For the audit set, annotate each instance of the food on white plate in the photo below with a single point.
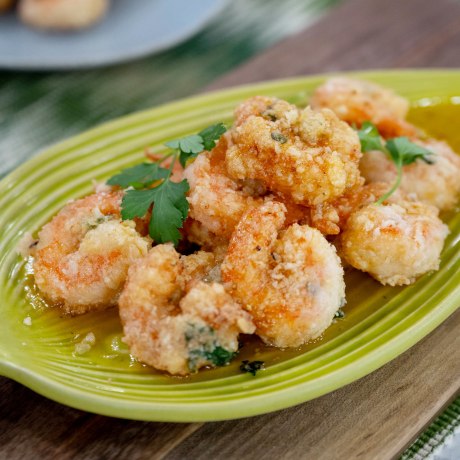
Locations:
(62, 15)
(234, 231)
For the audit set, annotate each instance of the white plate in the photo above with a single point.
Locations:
(132, 28)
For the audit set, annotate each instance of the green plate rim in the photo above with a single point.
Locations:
(399, 340)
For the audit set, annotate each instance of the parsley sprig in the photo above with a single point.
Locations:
(399, 149)
(150, 184)
(190, 146)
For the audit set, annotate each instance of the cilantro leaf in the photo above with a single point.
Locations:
(408, 152)
(399, 149)
(169, 211)
(170, 205)
(188, 144)
(184, 157)
(211, 134)
(139, 176)
(189, 147)
(369, 137)
(403, 152)
(136, 203)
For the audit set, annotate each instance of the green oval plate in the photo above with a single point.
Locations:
(39, 351)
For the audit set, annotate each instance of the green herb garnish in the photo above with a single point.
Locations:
(203, 345)
(139, 176)
(190, 146)
(399, 149)
(151, 185)
(211, 134)
(370, 137)
(220, 356)
(278, 137)
(251, 366)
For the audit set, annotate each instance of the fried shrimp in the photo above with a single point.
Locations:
(270, 108)
(174, 321)
(356, 101)
(215, 200)
(437, 184)
(310, 157)
(331, 218)
(394, 243)
(291, 281)
(83, 254)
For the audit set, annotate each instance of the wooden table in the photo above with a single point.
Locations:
(373, 418)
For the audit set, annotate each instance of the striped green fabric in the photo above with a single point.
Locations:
(41, 108)
(432, 442)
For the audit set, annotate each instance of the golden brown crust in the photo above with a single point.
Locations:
(291, 280)
(310, 157)
(395, 243)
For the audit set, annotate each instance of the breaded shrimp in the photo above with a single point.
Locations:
(310, 157)
(291, 281)
(196, 233)
(174, 321)
(270, 108)
(62, 14)
(83, 254)
(216, 201)
(331, 218)
(437, 184)
(357, 101)
(394, 243)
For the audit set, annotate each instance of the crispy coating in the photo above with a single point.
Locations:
(394, 243)
(291, 281)
(331, 218)
(196, 233)
(174, 321)
(356, 101)
(270, 108)
(437, 184)
(310, 157)
(83, 254)
(62, 14)
(216, 201)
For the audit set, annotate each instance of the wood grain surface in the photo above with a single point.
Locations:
(377, 416)
(361, 35)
